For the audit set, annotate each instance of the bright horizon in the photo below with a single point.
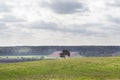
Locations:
(59, 22)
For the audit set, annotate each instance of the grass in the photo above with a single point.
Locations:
(107, 68)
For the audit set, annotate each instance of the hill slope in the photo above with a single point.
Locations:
(63, 69)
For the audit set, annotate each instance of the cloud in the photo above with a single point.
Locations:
(43, 25)
(114, 19)
(32, 22)
(84, 29)
(3, 26)
(3, 30)
(66, 7)
(4, 7)
(10, 18)
(114, 3)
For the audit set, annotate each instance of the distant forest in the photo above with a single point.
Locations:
(87, 51)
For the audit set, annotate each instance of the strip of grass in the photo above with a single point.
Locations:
(63, 69)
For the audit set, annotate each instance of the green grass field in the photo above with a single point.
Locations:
(63, 69)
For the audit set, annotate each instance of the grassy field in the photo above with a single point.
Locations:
(63, 69)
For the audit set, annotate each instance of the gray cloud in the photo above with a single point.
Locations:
(4, 7)
(116, 3)
(3, 29)
(3, 26)
(84, 30)
(44, 25)
(54, 27)
(111, 30)
(66, 7)
(10, 18)
(115, 20)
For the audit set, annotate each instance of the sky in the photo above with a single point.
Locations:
(59, 22)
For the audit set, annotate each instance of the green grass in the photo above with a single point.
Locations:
(63, 69)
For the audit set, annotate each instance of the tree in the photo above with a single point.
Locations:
(65, 53)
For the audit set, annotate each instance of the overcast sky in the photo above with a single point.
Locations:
(59, 22)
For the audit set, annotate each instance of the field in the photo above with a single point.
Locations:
(107, 68)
